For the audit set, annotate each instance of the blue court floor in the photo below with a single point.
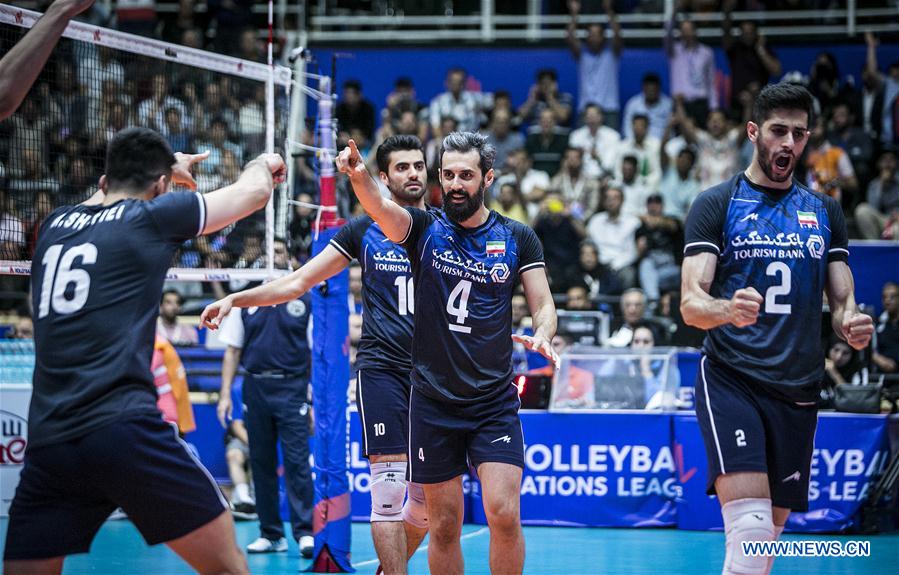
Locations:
(119, 550)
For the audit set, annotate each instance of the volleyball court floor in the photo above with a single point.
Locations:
(119, 550)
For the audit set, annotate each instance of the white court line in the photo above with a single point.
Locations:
(480, 531)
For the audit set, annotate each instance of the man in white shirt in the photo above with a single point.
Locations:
(600, 143)
(652, 103)
(614, 233)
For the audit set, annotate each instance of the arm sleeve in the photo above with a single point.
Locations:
(348, 238)
(530, 250)
(232, 329)
(705, 222)
(839, 237)
(179, 215)
(421, 219)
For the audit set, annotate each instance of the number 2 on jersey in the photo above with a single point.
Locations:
(58, 274)
(405, 300)
(459, 294)
(783, 288)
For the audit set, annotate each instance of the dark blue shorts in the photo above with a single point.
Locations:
(67, 490)
(382, 398)
(445, 438)
(746, 428)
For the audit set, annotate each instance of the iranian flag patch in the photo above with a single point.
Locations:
(496, 247)
(807, 219)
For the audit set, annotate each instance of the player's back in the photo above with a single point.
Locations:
(96, 283)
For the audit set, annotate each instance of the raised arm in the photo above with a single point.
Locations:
(700, 309)
(394, 220)
(249, 193)
(848, 323)
(617, 42)
(20, 66)
(871, 57)
(543, 312)
(326, 264)
(769, 60)
(668, 41)
(574, 7)
(727, 40)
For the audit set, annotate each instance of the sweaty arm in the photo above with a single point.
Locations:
(249, 193)
(701, 310)
(540, 302)
(326, 264)
(395, 221)
(854, 327)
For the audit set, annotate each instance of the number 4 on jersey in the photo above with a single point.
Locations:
(459, 294)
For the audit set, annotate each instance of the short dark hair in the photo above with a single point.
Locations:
(547, 72)
(781, 96)
(135, 158)
(172, 291)
(652, 78)
(353, 84)
(464, 142)
(630, 159)
(636, 117)
(396, 143)
(403, 82)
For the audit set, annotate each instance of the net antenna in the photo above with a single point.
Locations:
(137, 54)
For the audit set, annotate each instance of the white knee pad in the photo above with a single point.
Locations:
(746, 520)
(388, 488)
(415, 511)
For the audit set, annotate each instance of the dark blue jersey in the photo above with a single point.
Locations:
(388, 300)
(779, 242)
(96, 283)
(272, 338)
(462, 350)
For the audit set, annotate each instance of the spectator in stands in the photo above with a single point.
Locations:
(558, 231)
(71, 100)
(645, 148)
(355, 111)
(211, 106)
(579, 390)
(237, 454)
(824, 83)
(650, 102)
(503, 137)
(546, 145)
(600, 143)
(829, 169)
(533, 183)
(33, 178)
(510, 203)
(614, 233)
(77, 185)
(844, 133)
(30, 131)
(249, 47)
(22, 327)
(718, 149)
(886, 345)
(692, 69)
(402, 100)
(520, 313)
(579, 191)
(879, 215)
(633, 309)
(597, 64)
(636, 190)
(448, 125)
(43, 205)
(229, 18)
(355, 286)
(151, 112)
(174, 131)
(544, 94)
(596, 276)
(577, 298)
(679, 185)
(217, 143)
(660, 240)
(751, 61)
(881, 95)
(467, 107)
(98, 66)
(168, 326)
(251, 119)
(842, 365)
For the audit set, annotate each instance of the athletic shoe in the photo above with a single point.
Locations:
(307, 544)
(263, 545)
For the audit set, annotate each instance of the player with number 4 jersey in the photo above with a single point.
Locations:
(384, 358)
(463, 408)
(96, 438)
(760, 252)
